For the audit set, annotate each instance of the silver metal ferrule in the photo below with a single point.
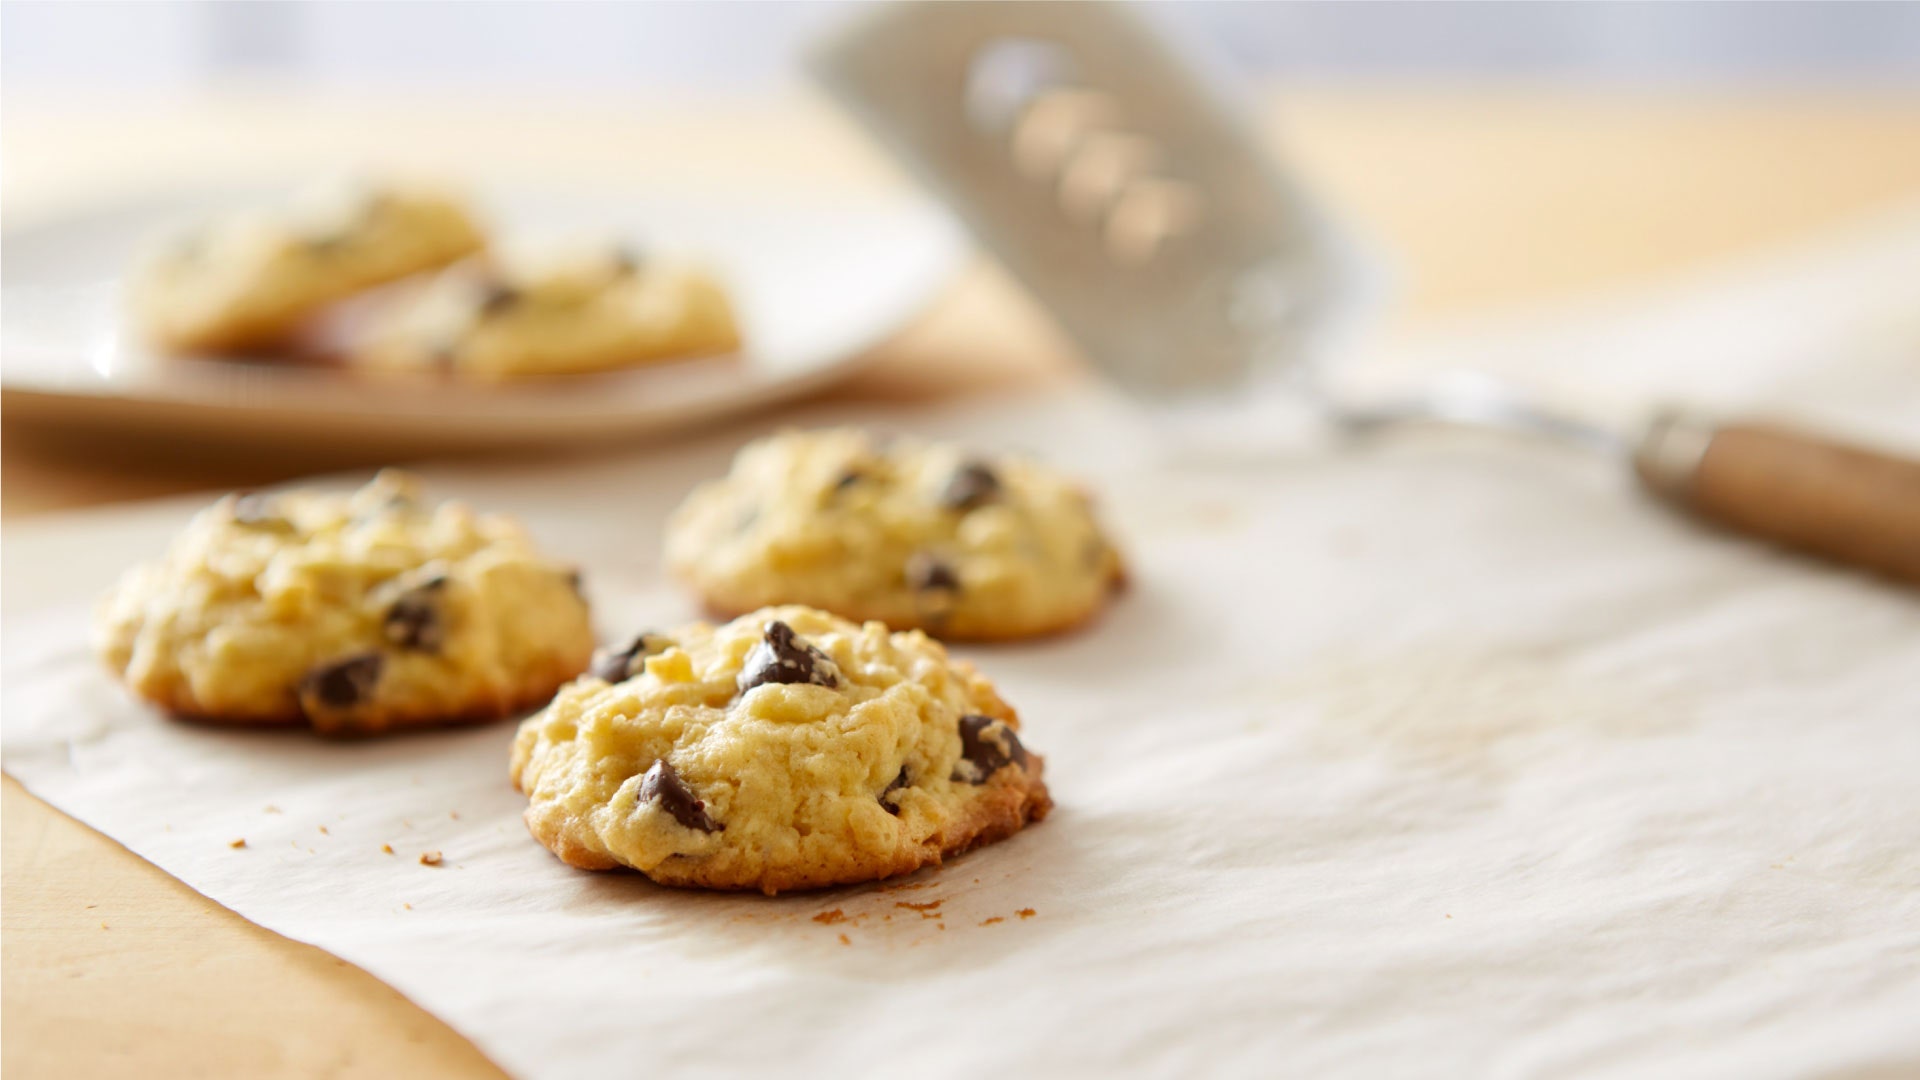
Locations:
(1670, 450)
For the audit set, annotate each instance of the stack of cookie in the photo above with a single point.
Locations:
(258, 284)
(820, 737)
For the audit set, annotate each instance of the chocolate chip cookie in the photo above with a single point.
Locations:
(564, 314)
(913, 534)
(351, 613)
(787, 749)
(251, 281)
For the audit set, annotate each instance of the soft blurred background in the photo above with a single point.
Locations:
(1495, 156)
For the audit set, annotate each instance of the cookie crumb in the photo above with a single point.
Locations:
(845, 940)
(828, 918)
(429, 858)
(324, 832)
(929, 910)
(388, 848)
(271, 809)
(409, 907)
(242, 842)
(454, 814)
(995, 919)
(1025, 913)
(104, 926)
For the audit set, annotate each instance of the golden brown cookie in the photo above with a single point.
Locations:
(910, 533)
(352, 613)
(252, 281)
(787, 749)
(505, 318)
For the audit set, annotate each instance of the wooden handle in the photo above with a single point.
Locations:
(1841, 502)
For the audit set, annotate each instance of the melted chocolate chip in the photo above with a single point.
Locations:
(619, 665)
(413, 622)
(664, 786)
(781, 657)
(972, 484)
(257, 512)
(986, 747)
(495, 297)
(848, 479)
(888, 800)
(577, 582)
(926, 573)
(344, 683)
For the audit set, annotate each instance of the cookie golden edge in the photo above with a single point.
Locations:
(723, 606)
(1012, 800)
(476, 710)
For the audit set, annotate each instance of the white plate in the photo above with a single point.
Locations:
(817, 282)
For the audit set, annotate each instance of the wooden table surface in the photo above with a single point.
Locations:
(1488, 199)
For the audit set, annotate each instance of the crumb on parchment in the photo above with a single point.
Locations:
(239, 843)
(429, 858)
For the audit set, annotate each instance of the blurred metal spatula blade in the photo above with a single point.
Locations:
(1106, 173)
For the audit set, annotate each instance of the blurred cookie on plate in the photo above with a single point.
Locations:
(560, 314)
(348, 613)
(911, 533)
(253, 280)
(788, 749)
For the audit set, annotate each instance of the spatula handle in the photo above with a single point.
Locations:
(1795, 489)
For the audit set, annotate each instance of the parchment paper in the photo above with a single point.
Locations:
(1438, 756)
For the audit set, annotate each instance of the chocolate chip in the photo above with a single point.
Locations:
(848, 479)
(577, 582)
(343, 683)
(926, 573)
(986, 746)
(971, 485)
(257, 512)
(887, 799)
(664, 786)
(619, 665)
(781, 657)
(496, 296)
(413, 621)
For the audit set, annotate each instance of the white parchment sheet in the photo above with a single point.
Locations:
(1438, 756)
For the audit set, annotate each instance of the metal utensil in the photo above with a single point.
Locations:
(1106, 173)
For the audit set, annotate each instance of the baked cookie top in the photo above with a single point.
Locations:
(352, 613)
(251, 280)
(787, 749)
(911, 533)
(559, 314)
